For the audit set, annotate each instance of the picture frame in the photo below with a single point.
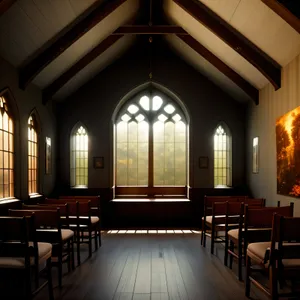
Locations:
(203, 162)
(48, 156)
(255, 149)
(98, 162)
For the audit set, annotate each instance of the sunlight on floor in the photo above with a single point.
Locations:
(153, 231)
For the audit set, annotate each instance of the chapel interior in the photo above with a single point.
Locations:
(149, 149)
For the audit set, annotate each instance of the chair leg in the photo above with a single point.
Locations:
(90, 243)
(226, 250)
(72, 254)
(49, 274)
(78, 247)
(240, 262)
(100, 239)
(69, 255)
(273, 283)
(36, 277)
(96, 239)
(231, 247)
(212, 243)
(248, 273)
(60, 270)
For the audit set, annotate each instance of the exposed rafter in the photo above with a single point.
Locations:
(5, 5)
(222, 67)
(31, 70)
(50, 90)
(284, 13)
(266, 65)
(145, 29)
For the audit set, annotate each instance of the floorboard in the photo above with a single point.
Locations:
(152, 267)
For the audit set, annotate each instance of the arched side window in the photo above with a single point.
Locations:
(33, 155)
(222, 157)
(6, 151)
(79, 157)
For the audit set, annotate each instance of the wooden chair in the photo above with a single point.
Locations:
(48, 229)
(20, 251)
(279, 258)
(95, 211)
(66, 233)
(255, 226)
(207, 212)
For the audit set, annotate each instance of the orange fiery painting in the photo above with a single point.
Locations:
(288, 153)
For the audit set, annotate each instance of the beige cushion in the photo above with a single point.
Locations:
(258, 251)
(66, 234)
(234, 233)
(94, 220)
(44, 250)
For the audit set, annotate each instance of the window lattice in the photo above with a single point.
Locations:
(33, 155)
(222, 158)
(151, 127)
(79, 158)
(6, 151)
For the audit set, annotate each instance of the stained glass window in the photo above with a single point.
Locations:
(150, 141)
(79, 157)
(6, 151)
(222, 158)
(33, 155)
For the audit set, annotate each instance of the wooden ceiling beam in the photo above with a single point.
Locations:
(57, 84)
(5, 5)
(284, 13)
(31, 70)
(260, 60)
(145, 29)
(249, 89)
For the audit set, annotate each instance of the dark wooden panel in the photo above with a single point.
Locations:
(265, 64)
(145, 29)
(31, 70)
(5, 205)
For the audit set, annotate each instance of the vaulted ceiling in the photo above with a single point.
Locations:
(59, 45)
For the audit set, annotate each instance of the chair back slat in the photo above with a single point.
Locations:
(14, 237)
(263, 218)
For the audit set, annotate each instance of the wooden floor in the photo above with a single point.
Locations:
(150, 266)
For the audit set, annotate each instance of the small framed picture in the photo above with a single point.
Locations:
(203, 162)
(99, 162)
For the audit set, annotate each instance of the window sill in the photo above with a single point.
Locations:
(9, 200)
(35, 195)
(223, 187)
(79, 187)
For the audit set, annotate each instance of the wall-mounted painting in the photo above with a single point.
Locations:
(288, 153)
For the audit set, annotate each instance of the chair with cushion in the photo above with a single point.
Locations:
(207, 213)
(278, 258)
(20, 252)
(255, 226)
(48, 229)
(66, 233)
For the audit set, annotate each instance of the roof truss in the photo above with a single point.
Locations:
(266, 65)
(31, 70)
(222, 67)
(284, 13)
(145, 29)
(50, 90)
